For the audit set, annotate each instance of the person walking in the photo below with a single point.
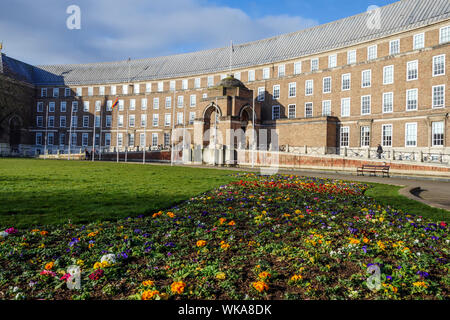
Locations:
(379, 151)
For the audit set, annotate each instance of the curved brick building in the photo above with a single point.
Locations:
(341, 88)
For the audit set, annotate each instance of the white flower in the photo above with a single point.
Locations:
(110, 258)
(4, 234)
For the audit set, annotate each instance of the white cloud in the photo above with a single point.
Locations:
(133, 28)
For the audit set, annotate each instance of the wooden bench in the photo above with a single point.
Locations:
(373, 169)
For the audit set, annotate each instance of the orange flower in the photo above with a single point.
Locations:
(171, 214)
(260, 286)
(49, 265)
(148, 283)
(44, 233)
(149, 294)
(222, 220)
(224, 245)
(263, 275)
(201, 243)
(231, 223)
(178, 287)
(296, 277)
(157, 214)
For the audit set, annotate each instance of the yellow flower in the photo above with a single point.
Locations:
(201, 243)
(420, 284)
(178, 287)
(49, 265)
(149, 294)
(298, 211)
(105, 264)
(296, 277)
(221, 276)
(80, 262)
(91, 245)
(98, 265)
(354, 241)
(148, 283)
(260, 286)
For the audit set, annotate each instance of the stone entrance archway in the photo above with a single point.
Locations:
(211, 120)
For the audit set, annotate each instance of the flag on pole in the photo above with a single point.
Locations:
(115, 103)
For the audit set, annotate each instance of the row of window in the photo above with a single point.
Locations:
(412, 103)
(366, 79)
(121, 103)
(85, 141)
(108, 120)
(437, 135)
(372, 54)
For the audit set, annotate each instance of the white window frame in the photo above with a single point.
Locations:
(292, 90)
(385, 78)
(345, 129)
(266, 73)
(374, 52)
(326, 108)
(351, 57)
(156, 103)
(309, 113)
(409, 70)
(397, 46)
(292, 107)
(344, 103)
(415, 46)
(155, 120)
(309, 85)
(434, 65)
(276, 92)
(251, 75)
(384, 138)
(441, 34)
(261, 93)
(143, 120)
(385, 94)
(407, 99)
(314, 64)
(363, 101)
(325, 86)
(433, 97)
(349, 75)
(406, 134)
(433, 133)
(276, 107)
(364, 139)
(332, 61)
(281, 71)
(363, 84)
(297, 67)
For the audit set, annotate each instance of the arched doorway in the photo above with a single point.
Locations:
(211, 119)
(246, 120)
(15, 133)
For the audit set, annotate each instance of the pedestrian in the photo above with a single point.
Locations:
(379, 151)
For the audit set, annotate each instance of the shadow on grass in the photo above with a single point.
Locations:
(388, 195)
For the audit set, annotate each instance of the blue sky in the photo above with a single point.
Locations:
(36, 32)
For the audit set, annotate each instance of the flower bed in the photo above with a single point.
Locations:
(281, 237)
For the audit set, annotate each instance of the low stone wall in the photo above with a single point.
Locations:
(286, 160)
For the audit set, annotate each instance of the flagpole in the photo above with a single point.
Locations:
(254, 129)
(145, 132)
(101, 133)
(117, 134)
(46, 132)
(215, 133)
(93, 135)
(173, 128)
(70, 132)
(231, 55)
(128, 139)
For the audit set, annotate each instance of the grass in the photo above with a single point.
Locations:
(39, 192)
(389, 195)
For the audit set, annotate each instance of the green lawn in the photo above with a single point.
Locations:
(41, 192)
(389, 195)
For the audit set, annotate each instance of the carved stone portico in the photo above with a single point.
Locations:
(227, 121)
